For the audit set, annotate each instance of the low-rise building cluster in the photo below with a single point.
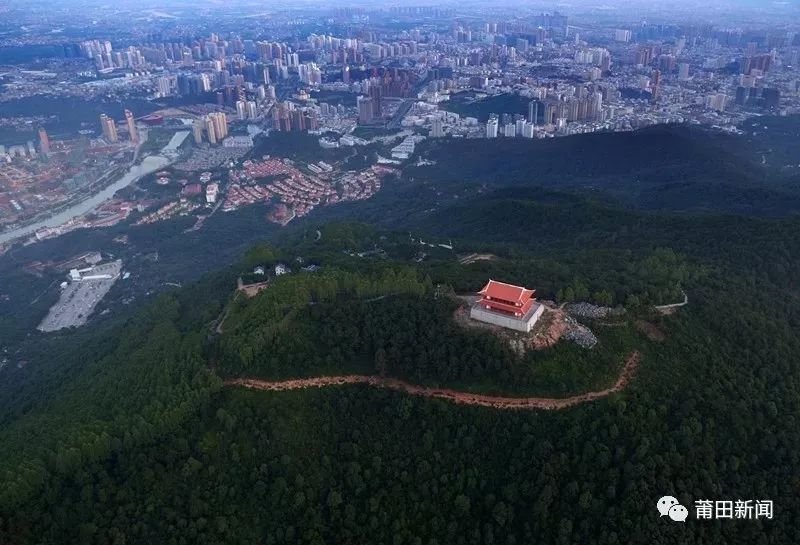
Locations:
(182, 207)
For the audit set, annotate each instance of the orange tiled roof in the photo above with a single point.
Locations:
(506, 292)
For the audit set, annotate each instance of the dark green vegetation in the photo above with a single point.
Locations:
(414, 338)
(304, 147)
(660, 168)
(153, 254)
(476, 183)
(122, 435)
(775, 141)
(467, 104)
(298, 146)
(363, 316)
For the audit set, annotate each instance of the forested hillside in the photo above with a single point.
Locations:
(658, 168)
(707, 416)
(397, 325)
(126, 434)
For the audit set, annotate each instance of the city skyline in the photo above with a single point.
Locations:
(449, 71)
(408, 273)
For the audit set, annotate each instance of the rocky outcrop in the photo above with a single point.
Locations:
(554, 325)
(588, 310)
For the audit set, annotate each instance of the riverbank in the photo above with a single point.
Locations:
(147, 166)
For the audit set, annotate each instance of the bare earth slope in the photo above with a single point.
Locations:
(455, 396)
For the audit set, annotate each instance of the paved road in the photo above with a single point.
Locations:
(402, 110)
(454, 396)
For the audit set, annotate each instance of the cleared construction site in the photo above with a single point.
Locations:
(80, 295)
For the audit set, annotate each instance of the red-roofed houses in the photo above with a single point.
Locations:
(508, 306)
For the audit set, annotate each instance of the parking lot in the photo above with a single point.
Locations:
(79, 298)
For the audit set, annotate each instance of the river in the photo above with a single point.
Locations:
(148, 165)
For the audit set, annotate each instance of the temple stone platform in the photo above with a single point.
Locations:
(522, 323)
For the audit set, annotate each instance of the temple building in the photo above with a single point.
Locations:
(508, 306)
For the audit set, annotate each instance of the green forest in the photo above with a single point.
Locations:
(666, 167)
(394, 323)
(124, 432)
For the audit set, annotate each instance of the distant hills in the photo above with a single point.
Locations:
(659, 168)
(124, 432)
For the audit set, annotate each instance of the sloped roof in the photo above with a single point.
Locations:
(506, 292)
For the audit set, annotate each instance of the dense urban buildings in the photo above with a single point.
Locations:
(442, 73)
(266, 272)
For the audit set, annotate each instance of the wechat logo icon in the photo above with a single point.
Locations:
(668, 506)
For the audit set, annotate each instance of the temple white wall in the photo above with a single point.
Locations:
(523, 324)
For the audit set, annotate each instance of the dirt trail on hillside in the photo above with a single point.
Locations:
(454, 396)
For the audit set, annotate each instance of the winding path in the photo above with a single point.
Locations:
(454, 396)
(672, 306)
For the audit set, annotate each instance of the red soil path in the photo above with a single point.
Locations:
(461, 398)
